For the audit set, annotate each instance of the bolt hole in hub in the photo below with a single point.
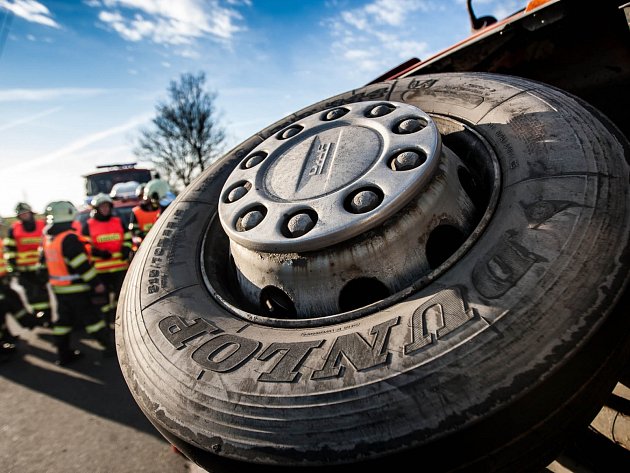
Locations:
(341, 211)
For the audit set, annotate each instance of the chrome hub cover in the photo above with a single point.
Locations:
(299, 208)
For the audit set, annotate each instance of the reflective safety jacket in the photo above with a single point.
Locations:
(109, 236)
(144, 219)
(24, 245)
(67, 274)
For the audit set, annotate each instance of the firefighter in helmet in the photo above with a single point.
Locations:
(111, 247)
(74, 280)
(10, 302)
(142, 217)
(159, 194)
(21, 247)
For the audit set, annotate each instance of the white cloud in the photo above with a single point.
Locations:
(384, 12)
(356, 19)
(32, 95)
(189, 53)
(75, 146)
(30, 10)
(376, 36)
(30, 118)
(394, 12)
(171, 22)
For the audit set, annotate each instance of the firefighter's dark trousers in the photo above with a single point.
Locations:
(36, 294)
(114, 282)
(76, 312)
(11, 303)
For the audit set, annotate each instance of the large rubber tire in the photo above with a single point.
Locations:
(535, 327)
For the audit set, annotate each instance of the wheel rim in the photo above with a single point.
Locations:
(325, 273)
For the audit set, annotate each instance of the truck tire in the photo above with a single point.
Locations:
(488, 361)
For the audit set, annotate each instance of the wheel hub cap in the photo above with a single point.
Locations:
(299, 207)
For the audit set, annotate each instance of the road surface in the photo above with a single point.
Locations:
(79, 418)
(82, 418)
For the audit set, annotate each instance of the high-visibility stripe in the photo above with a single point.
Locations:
(110, 265)
(28, 253)
(9, 254)
(27, 256)
(26, 259)
(24, 268)
(115, 255)
(8, 241)
(95, 327)
(40, 305)
(71, 289)
(78, 260)
(30, 262)
(65, 277)
(111, 306)
(61, 330)
(112, 270)
(89, 274)
(2, 296)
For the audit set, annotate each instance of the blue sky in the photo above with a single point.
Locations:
(78, 79)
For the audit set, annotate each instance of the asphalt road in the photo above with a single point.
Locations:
(79, 418)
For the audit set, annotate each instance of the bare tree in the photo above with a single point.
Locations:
(186, 135)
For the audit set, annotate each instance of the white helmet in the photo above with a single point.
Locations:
(156, 189)
(60, 212)
(100, 199)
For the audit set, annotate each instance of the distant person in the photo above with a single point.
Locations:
(74, 280)
(10, 303)
(159, 186)
(159, 193)
(21, 247)
(111, 248)
(142, 217)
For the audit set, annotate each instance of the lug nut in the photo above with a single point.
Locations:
(254, 160)
(336, 113)
(289, 132)
(249, 220)
(300, 224)
(380, 110)
(364, 201)
(411, 125)
(236, 193)
(407, 160)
